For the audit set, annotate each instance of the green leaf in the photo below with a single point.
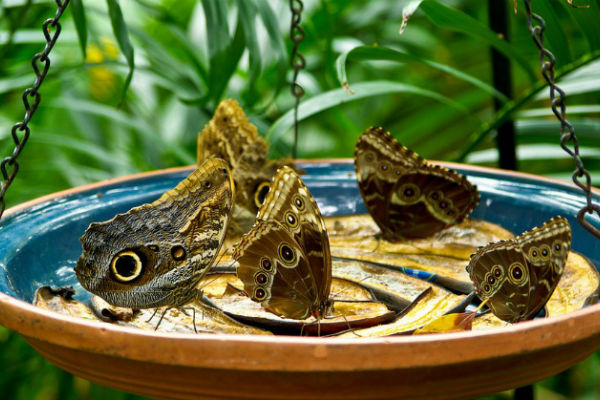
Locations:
(79, 18)
(547, 112)
(120, 31)
(271, 24)
(367, 53)
(224, 52)
(587, 19)
(336, 97)
(138, 124)
(169, 72)
(512, 107)
(555, 38)
(407, 12)
(247, 18)
(451, 18)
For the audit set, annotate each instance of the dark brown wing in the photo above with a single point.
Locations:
(406, 196)
(429, 199)
(290, 203)
(546, 248)
(375, 155)
(500, 274)
(276, 272)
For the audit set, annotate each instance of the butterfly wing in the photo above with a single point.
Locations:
(276, 272)
(546, 248)
(379, 160)
(292, 217)
(290, 203)
(406, 196)
(230, 135)
(154, 254)
(429, 199)
(500, 274)
(531, 266)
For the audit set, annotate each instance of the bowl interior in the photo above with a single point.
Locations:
(40, 245)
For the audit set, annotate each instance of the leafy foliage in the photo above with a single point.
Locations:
(167, 63)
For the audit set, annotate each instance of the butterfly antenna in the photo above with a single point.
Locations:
(348, 288)
(205, 284)
(221, 257)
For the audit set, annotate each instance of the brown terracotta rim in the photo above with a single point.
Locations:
(248, 352)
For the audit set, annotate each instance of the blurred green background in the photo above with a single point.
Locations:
(430, 86)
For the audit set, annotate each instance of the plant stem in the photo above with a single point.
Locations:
(502, 77)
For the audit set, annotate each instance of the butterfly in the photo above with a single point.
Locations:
(285, 261)
(154, 255)
(518, 276)
(230, 136)
(406, 196)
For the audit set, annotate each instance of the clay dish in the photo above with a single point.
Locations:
(39, 246)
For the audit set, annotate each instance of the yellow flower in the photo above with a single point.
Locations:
(103, 81)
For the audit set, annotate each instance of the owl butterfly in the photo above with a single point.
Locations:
(284, 261)
(406, 196)
(230, 136)
(518, 276)
(154, 255)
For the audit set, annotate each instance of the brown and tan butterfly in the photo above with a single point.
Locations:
(406, 196)
(285, 261)
(230, 136)
(154, 255)
(518, 276)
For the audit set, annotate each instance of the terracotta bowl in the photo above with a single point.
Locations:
(39, 246)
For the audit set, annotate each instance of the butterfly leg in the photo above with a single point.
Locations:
(152, 316)
(185, 310)
(350, 329)
(319, 327)
(305, 325)
(378, 239)
(161, 317)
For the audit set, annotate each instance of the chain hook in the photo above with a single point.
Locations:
(31, 100)
(559, 108)
(298, 62)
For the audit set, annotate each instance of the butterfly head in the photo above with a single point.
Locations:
(153, 254)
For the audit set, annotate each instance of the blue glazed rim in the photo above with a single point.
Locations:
(39, 239)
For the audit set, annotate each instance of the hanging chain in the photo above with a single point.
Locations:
(568, 140)
(298, 62)
(31, 100)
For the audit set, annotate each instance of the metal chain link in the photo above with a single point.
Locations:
(581, 177)
(31, 100)
(298, 62)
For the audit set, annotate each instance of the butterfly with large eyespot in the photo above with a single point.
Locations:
(518, 276)
(406, 196)
(156, 254)
(285, 261)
